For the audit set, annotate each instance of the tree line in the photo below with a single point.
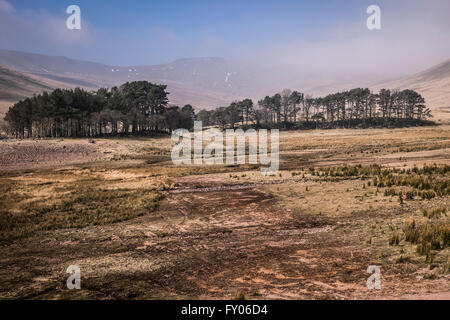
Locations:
(292, 109)
(141, 108)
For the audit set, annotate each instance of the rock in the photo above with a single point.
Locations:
(91, 141)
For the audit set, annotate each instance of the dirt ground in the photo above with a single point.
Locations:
(220, 232)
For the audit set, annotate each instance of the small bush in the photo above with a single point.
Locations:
(409, 195)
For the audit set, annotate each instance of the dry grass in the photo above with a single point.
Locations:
(431, 236)
(308, 232)
(74, 205)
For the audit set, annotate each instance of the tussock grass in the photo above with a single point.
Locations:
(429, 236)
(84, 206)
(434, 213)
(395, 240)
(427, 182)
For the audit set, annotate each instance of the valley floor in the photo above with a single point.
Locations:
(141, 228)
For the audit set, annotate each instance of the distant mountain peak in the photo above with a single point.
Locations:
(200, 59)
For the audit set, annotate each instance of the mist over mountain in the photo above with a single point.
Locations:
(433, 84)
(204, 82)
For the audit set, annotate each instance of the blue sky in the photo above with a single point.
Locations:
(235, 21)
(137, 32)
(199, 27)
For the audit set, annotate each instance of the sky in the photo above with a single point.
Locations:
(292, 34)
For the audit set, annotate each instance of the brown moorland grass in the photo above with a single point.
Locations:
(140, 227)
(82, 205)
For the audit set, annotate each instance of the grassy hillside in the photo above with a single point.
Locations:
(433, 84)
(15, 85)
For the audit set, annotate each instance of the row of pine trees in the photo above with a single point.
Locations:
(290, 109)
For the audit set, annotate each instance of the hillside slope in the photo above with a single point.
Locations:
(212, 82)
(15, 85)
(203, 82)
(433, 84)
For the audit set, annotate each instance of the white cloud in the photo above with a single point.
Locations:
(40, 31)
(6, 7)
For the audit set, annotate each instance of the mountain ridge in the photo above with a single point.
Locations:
(15, 85)
(433, 84)
(209, 82)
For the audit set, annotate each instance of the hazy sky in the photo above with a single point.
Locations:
(307, 35)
